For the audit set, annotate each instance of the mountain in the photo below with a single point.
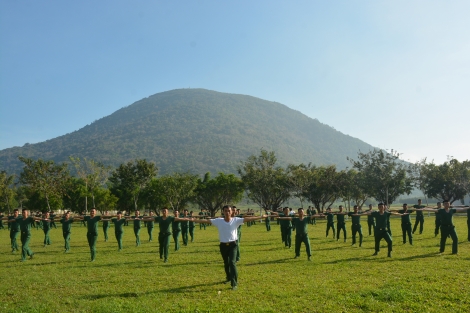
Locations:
(196, 130)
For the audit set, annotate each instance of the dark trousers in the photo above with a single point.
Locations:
(332, 226)
(382, 234)
(341, 226)
(419, 220)
(468, 229)
(449, 230)
(150, 232)
(47, 239)
(66, 235)
(356, 228)
(298, 241)
(118, 235)
(267, 223)
(13, 236)
(286, 233)
(371, 226)
(137, 236)
(438, 225)
(92, 239)
(25, 250)
(185, 233)
(229, 255)
(105, 232)
(176, 235)
(191, 233)
(164, 244)
(406, 230)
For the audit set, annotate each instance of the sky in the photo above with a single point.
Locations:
(395, 74)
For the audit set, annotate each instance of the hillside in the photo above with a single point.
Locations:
(197, 130)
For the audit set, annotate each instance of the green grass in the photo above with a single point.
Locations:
(340, 278)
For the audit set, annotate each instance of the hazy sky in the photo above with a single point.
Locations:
(395, 74)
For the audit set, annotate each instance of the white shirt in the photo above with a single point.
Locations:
(227, 230)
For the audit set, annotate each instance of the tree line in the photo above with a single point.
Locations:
(44, 185)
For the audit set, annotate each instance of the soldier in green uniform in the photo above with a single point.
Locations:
(185, 228)
(301, 233)
(340, 223)
(66, 222)
(236, 213)
(447, 225)
(370, 221)
(46, 227)
(118, 222)
(381, 231)
(202, 215)
(38, 221)
(286, 227)
(330, 222)
(92, 231)
(137, 226)
(14, 227)
(191, 227)
(356, 225)
(267, 220)
(165, 223)
(150, 223)
(105, 225)
(176, 229)
(406, 224)
(437, 222)
(419, 217)
(83, 221)
(25, 222)
(52, 216)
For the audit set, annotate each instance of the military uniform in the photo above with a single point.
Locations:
(381, 231)
(356, 227)
(105, 230)
(341, 224)
(176, 231)
(371, 224)
(468, 223)
(185, 231)
(301, 235)
(202, 215)
(25, 227)
(66, 231)
(419, 219)
(92, 233)
(191, 230)
(14, 231)
(164, 235)
(150, 226)
(330, 223)
(46, 227)
(119, 230)
(406, 226)
(448, 229)
(286, 231)
(137, 227)
(267, 222)
(437, 223)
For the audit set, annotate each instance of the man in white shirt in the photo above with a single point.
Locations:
(227, 227)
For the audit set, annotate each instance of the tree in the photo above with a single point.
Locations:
(45, 178)
(7, 192)
(105, 200)
(152, 197)
(299, 178)
(213, 193)
(448, 181)
(324, 186)
(267, 185)
(385, 176)
(75, 195)
(353, 187)
(130, 179)
(178, 189)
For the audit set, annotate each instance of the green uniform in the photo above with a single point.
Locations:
(356, 228)
(191, 230)
(46, 227)
(25, 228)
(14, 231)
(105, 230)
(185, 231)
(267, 222)
(419, 219)
(468, 223)
(301, 235)
(66, 231)
(330, 223)
(92, 233)
(201, 216)
(119, 230)
(52, 217)
(370, 224)
(164, 235)
(239, 238)
(341, 224)
(150, 225)
(137, 226)
(1, 221)
(381, 230)
(448, 229)
(286, 230)
(176, 229)
(406, 226)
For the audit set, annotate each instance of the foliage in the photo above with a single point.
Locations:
(130, 179)
(267, 184)
(213, 193)
(385, 176)
(354, 187)
(299, 180)
(7, 192)
(178, 189)
(448, 181)
(324, 188)
(44, 178)
(74, 198)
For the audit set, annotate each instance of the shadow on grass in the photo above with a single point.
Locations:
(285, 260)
(421, 256)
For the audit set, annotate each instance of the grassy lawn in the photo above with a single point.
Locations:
(340, 278)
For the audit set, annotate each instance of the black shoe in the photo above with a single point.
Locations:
(375, 253)
(31, 256)
(310, 258)
(296, 257)
(389, 254)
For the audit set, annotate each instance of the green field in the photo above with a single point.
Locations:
(340, 278)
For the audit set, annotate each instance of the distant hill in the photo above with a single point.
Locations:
(196, 130)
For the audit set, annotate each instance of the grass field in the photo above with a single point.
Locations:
(340, 278)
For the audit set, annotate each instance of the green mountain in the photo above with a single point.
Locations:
(196, 130)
